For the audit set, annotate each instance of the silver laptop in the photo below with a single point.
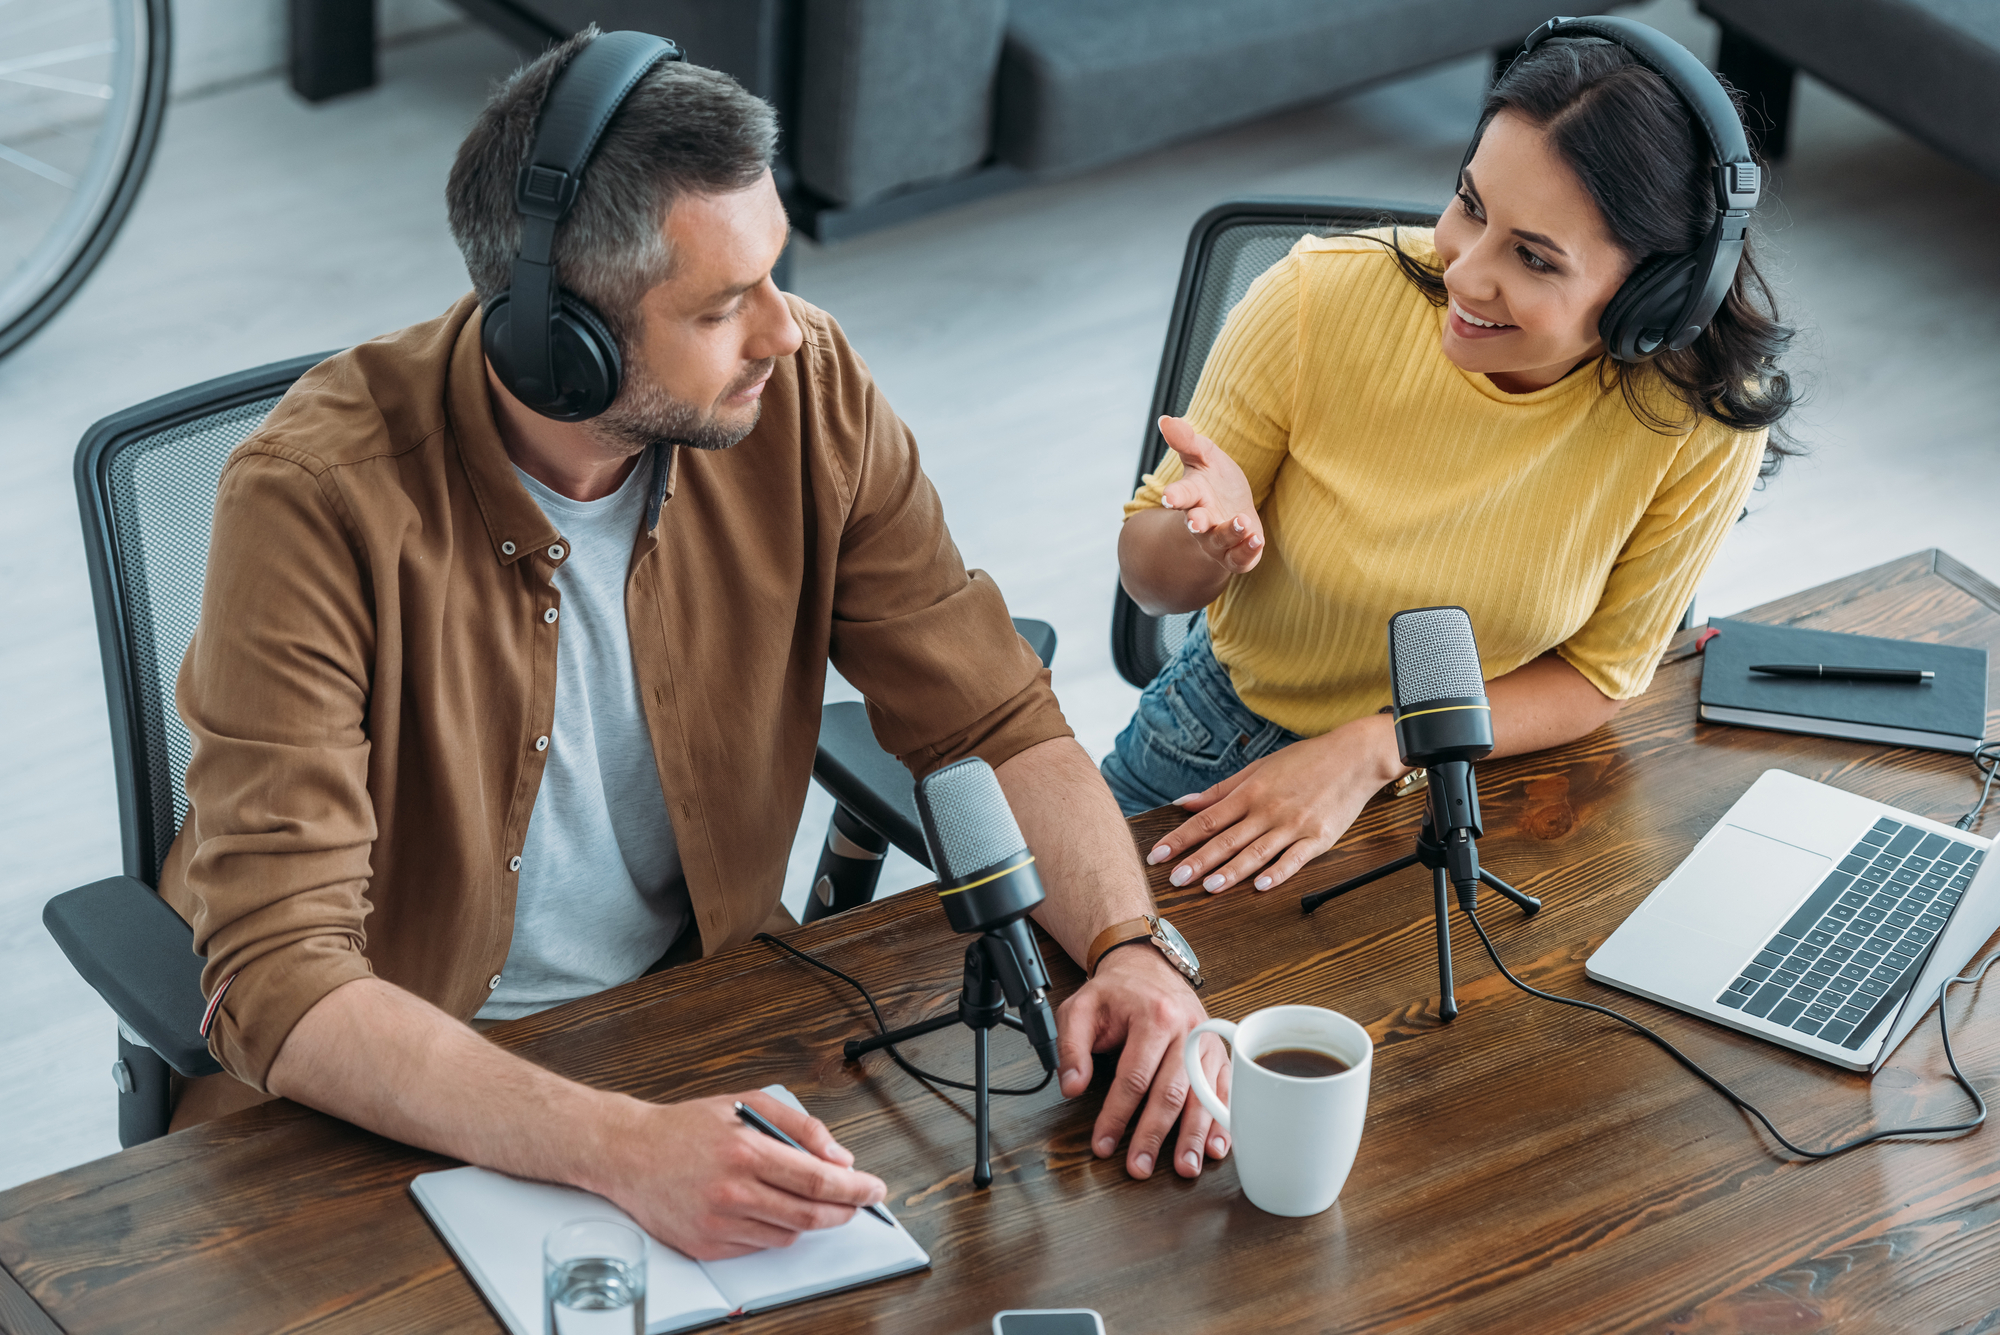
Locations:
(1811, 917)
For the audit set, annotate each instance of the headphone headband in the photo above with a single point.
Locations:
(1686, 76)
(578, 107)
(1669, 300)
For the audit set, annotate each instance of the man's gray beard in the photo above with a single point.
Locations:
(645, 414)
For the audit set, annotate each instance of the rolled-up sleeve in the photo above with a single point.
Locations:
(929, 644)
(273, 871)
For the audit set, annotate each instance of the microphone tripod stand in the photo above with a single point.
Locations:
(982, 1004)
(1453, 860)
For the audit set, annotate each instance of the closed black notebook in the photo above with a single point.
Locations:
(1945, 714)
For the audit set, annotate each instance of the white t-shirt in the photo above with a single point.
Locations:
(601, 895)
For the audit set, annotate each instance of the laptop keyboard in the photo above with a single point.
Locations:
(1840, 965)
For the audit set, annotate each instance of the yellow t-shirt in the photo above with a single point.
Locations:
(1389, 478)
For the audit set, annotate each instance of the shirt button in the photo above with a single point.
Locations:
(550, 616)
(556, 552)
(493, 982)
(514, 863)
(507, 547)
(541, 743)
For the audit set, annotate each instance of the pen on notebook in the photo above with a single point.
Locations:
(754, 1120)
(1831, 673)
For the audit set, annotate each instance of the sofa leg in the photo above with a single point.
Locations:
(1765, 79)
(141, 1076)
(333, 47)
(849, 866)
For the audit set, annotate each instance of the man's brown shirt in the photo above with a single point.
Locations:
(377, 652)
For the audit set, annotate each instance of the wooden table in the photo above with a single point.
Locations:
(1525, 1168)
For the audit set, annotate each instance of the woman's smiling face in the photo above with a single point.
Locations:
(1529, 263)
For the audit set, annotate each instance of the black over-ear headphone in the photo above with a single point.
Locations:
(1668, 300)
(549, 348)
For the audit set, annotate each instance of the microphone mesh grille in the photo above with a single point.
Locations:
(967, 822)
(1432, 656)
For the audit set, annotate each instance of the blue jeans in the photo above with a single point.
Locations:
(1189, 732)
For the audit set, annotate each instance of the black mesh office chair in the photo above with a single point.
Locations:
(146, 480)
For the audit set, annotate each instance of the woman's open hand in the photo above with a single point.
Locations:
(1280, 812)
(1215, 496)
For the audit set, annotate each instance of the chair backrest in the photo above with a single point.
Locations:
(145, 482)
(1230, 246)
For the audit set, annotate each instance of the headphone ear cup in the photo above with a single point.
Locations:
(1637, 323)
(587, 365)
(493, 341)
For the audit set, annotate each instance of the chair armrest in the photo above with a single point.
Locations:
(139, 955)
(871, 783)
(868, 781)
(1041, 637)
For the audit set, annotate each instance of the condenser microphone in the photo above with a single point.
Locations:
(1443, 724)
(1440, 698)
(987, 883)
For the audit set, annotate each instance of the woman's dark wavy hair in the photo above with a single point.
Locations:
(1635, 147)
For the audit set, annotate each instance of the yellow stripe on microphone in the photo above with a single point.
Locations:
(1004, 871)
(1442, 709)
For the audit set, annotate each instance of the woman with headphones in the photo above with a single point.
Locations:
(1548, 411)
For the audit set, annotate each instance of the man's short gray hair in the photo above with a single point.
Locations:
(683, 130)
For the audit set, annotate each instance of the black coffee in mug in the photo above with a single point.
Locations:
(1305, 1063)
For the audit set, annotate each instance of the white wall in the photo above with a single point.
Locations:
(218, 41)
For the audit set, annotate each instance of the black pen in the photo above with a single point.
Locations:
(1830, 673)
(755, 1120)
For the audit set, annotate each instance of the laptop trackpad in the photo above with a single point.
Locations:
(1737, 887)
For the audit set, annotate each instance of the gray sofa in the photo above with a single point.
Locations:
(932, 100)
(1930, 66)
(893, 108)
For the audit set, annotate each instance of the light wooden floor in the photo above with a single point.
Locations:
(1019, 338)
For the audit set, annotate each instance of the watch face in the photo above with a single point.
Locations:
(1169, 934)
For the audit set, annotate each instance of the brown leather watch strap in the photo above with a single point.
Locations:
(1132, 929)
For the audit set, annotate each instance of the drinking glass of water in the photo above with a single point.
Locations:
(594, 1276)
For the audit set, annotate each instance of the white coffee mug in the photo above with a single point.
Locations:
(1293, 1137)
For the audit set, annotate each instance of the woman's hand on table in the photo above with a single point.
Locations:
(1214, 495)
(1264, 822)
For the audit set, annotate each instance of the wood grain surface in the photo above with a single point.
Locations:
(1525, 1168)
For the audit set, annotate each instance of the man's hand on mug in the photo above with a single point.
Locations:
(1215, 496)
(1138, 1004)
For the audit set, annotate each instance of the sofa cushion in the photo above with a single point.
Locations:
(1930, 66)
(1088, 81)
(893, 93)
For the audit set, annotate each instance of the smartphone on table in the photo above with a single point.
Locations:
(1049, 1321)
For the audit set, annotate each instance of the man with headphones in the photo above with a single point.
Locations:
(511, 657)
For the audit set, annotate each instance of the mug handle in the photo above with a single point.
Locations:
(1197, 1081)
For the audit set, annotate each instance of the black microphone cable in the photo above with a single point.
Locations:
(1986, 759)
(1716, 1084)
(908, 1066)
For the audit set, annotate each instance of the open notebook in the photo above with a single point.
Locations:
(495, 1224)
